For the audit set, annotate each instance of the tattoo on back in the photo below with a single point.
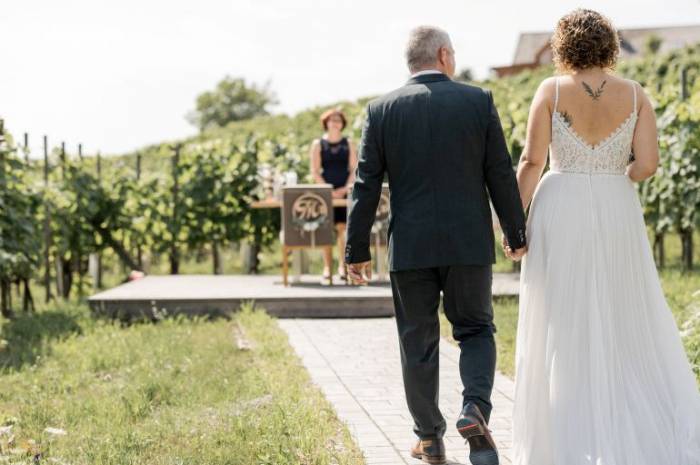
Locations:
(567, 118)
(594, 94)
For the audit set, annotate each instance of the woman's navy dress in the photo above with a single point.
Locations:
(335, 159)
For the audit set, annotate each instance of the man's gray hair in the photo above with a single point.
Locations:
(423, 45)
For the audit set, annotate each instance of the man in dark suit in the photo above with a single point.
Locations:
(442, 147)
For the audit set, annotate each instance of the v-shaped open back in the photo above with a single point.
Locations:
(570, 152)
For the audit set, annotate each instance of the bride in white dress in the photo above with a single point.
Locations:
(601, 374)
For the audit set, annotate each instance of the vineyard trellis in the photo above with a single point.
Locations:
(196, 194)
(55, 221)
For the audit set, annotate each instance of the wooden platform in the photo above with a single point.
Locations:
(219, 295)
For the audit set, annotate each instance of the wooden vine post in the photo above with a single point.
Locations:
(78, 260)
(139, 253)
(686, 233)
(98, 271)
(47, 225)
(5, 287)
(174, 253)
(60, 263)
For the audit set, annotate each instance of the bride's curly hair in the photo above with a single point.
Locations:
(584, 39)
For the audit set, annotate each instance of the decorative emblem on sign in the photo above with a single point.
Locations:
(309, 212)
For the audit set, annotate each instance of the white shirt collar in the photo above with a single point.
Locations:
(426, 71)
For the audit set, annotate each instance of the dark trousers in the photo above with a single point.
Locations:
(467, 304)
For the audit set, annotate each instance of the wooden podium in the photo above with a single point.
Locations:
(307, 221)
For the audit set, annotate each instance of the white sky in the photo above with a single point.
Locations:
(118, 75)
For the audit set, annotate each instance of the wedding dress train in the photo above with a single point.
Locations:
(601, 374)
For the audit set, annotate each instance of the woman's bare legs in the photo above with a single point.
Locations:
(340, 235)
(327, 261)
(328, 253)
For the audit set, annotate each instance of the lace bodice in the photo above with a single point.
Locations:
(570, 153)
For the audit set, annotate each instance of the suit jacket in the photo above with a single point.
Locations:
(441, 145)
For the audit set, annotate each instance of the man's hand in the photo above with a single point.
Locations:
(515, 255)
(339, 192)
(360, 273)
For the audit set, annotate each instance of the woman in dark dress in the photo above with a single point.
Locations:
(333, 161)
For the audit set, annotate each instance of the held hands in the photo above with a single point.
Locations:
(360, 273)
(514, 255)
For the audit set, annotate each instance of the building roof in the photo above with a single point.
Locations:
(633, 40)
(529, 43)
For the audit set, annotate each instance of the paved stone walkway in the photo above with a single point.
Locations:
(356, 363)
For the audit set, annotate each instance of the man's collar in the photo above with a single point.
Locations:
(425, 71)
(427, 78)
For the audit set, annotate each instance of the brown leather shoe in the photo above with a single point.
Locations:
(472, 426)
(430, 451)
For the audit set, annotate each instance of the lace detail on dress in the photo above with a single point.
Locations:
(570, 153)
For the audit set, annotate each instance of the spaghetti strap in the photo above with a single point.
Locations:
(634, 93)
(556, 93)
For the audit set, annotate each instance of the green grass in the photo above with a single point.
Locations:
(176, 392)
(506, 318)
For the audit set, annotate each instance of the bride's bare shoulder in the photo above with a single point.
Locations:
(548, 84)
(621, 81)
(547, 87)
(545, 92)
(642, 97)
(634, 83)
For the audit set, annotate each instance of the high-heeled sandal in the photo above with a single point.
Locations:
(325, 279)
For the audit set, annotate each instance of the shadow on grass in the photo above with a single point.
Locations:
(29, 335)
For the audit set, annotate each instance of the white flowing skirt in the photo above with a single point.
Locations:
(601, 374)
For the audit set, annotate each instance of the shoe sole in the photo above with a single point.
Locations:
(482, 450)
(432, 460)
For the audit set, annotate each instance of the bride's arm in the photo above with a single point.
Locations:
(539, 134)
(645, 145)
